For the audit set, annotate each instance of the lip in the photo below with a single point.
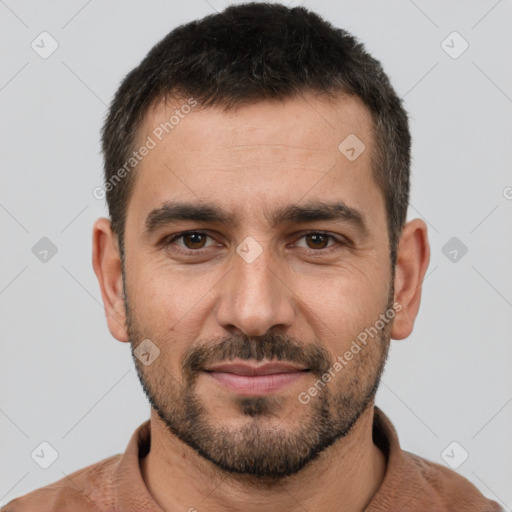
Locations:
(255, 380)
(244, 368)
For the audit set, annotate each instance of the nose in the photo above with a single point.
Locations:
(254, 298)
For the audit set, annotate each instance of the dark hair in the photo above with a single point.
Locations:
(253, 52)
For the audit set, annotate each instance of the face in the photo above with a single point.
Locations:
(256, 254)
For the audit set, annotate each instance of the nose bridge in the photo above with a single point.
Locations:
(254, 299)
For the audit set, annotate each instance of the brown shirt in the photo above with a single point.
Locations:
(410, 483)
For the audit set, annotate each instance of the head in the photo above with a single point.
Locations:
(263, 219)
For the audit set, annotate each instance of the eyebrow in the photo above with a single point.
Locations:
(173, 211)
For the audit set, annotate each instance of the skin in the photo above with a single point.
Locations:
(251, 161)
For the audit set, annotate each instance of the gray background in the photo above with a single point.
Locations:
(66, 381)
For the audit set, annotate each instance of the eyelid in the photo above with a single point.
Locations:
(171, 239)
(339, 239)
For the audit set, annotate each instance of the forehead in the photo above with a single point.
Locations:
(257, 155)
(310, 123)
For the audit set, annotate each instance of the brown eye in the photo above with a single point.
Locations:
(317, 240)
(320, 243)
(194, 240)
(189, 241)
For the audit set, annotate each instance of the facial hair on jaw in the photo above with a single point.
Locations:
(255, 450)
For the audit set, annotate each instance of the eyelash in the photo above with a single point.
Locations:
(326, 250)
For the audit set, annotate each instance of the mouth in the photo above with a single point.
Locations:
(260, 379)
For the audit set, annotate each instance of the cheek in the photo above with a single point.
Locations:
(167, 302)
(343, 305)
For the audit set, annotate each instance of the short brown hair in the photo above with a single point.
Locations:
(252, 52)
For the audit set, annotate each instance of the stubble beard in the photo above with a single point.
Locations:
(264, 447)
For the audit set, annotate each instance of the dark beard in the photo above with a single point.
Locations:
(258, 449)
(255, 449)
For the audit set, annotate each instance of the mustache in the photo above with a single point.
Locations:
(273, 346)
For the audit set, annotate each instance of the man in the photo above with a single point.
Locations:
(258, 261)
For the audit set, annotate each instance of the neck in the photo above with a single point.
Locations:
(343, 478)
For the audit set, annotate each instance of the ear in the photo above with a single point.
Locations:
(106, 262)
(412, 262)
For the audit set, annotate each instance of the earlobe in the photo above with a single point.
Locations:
(106, 262)
(412, 262)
